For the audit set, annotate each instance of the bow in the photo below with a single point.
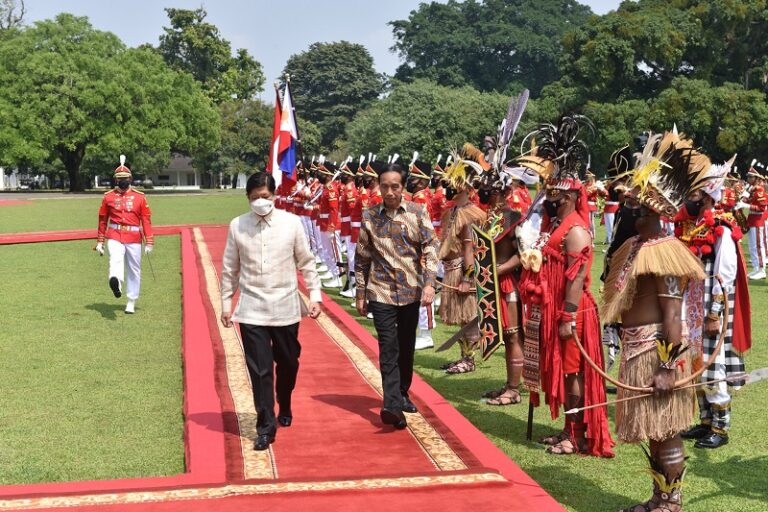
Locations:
(679, 383)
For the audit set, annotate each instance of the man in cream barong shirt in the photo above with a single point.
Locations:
(264, 249)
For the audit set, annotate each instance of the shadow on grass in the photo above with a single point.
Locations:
(107, 311)
(735, 477)
(579, 493)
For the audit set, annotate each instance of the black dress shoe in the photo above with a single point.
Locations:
(409, 406)
(114, 283)
(696, 432)
(395, 418)
(284, 420)
(713, 440)
(263, 441)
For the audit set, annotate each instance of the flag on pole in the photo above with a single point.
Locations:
(272, 164)
(289, 135)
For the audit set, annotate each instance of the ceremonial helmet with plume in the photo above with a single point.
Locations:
(122, 172)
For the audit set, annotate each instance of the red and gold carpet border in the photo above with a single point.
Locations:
(227, 491)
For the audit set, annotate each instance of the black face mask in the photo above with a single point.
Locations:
(434, 182)
(551, 207)
(694, 207)
(123, 184)
(450, 192)
(410, 187)
(367, 182)
(358, 181)
(629, 213)
(484, 195)
(322, 179)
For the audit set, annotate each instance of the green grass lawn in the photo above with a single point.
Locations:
(214, 207)
(86, 391)
(98, 403)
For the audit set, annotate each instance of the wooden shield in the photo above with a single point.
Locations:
(488, 295)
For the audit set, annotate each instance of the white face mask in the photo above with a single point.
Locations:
(262, 207)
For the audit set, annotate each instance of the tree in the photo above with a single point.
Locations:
(492, 45)
(67, 89)
(426, 117)
(12, 14)
(193, 45)
(330, 83)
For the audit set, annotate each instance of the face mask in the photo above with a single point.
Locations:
(123, 184)
(410, 187)
(434, 182)
(262, 207)
(484, 195)
(694, 207)
(551, 207)
(450, 192)
(630, 213)
(358, 181)
(367, 182)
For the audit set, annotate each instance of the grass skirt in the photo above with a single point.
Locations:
(456, 309)
(650, 418)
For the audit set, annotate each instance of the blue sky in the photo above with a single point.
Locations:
(271, 31)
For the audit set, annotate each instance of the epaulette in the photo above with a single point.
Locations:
(109, 191)
(137, 191)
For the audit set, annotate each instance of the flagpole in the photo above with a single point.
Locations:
(300, 145)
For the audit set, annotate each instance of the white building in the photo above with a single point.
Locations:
(178, 175)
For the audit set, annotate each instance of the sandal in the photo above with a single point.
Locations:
(464, 365)
(562, 448)
(445, 366)
(510, 397)
(495, 393)
(553, 440)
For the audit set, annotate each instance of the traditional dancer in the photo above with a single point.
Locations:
(500, 224)
(125, 220)
(555, 288)
(715, 238)
(645, 288)
(458, 304)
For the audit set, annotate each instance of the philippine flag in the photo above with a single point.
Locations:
(286, 147)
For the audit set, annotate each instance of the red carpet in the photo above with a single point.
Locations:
(336, 455)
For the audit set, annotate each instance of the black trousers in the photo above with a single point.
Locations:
(396, 330)
(267, 347)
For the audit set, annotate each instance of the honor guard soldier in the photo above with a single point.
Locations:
(122, 216)
(328, 223)
(758, 204)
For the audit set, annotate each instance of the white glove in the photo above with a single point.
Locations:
(742, 206)
(99, 248)
(148, 249)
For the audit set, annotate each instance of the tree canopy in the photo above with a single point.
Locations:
(491, 45)
(426, 117)
(193, 45)
(67, 89)
(331, 82)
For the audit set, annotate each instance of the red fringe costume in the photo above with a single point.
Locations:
(547, 288)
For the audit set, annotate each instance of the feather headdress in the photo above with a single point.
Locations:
(668, 169)
(497, 146)
(560, 154)
(463, 169)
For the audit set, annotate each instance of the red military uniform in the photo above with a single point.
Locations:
(329, 208)
(122, 216)
(315, 208)
(592, 194)
(423, 197)
(438, 207)
(357, 212)
(758, 206)
(728, 201)
(347, 203)
(374, 197)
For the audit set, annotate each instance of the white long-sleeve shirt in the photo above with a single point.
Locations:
(261, 258)
(726, 263)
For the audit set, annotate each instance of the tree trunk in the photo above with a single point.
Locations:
(72, 161)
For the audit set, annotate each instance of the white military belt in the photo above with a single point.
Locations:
(355, 224)
(325, 215)
(611, 203)
(123, 227)
(346, 219)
